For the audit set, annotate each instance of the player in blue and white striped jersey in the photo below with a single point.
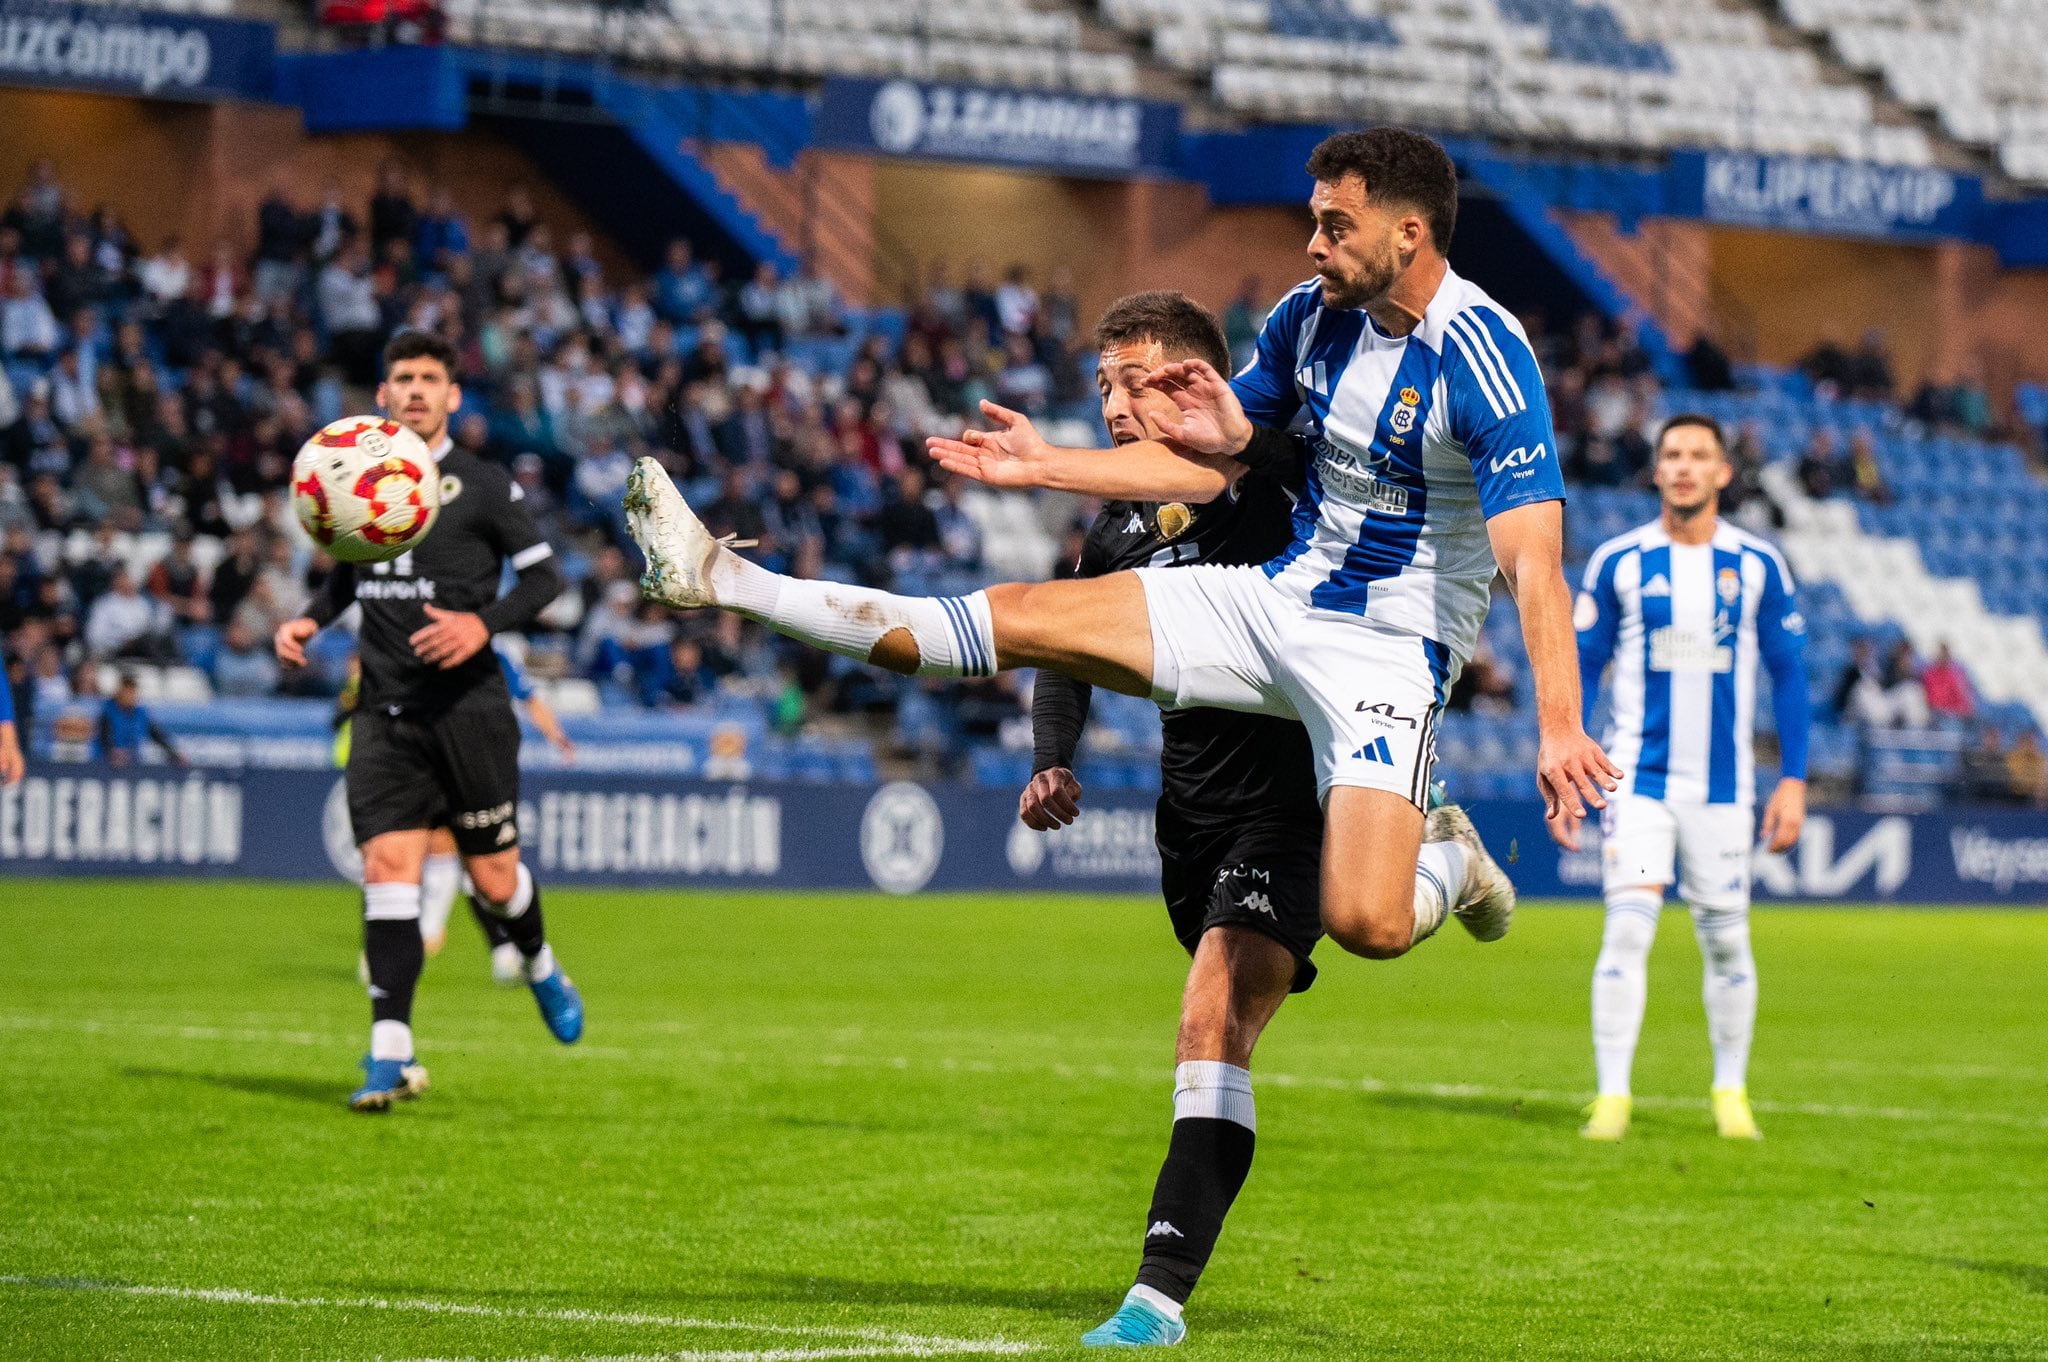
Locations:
(1683, 610)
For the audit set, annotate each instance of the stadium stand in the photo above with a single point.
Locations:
(1979, 66)
(1647, 74)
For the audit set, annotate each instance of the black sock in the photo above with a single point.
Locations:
(1206, 1164)
(524, 928)
(493, 925)
(395, 954)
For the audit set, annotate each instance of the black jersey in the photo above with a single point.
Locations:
(482, 525)
(1215, 764)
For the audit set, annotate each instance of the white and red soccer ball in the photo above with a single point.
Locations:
(366, 489)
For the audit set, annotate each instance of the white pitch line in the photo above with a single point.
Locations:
(876, 1342)
(1061, 1069)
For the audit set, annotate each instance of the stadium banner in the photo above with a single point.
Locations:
(136, 52)
(627, 830)
(1064, 134)
(1830, 197)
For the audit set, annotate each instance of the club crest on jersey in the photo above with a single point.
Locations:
(451, 488)
(1729, 584)
(1174, 519)
(1403, 418)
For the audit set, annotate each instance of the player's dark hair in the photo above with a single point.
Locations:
(1179, 323)
(1398, 167)
(415, 344)
(1693, 418)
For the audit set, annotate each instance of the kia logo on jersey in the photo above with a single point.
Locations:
(1519, 459)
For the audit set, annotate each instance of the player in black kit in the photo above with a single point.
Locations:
(435, 741)
(1240, 829)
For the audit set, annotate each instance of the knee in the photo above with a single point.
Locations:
(1374, 930)
(386, 864)
(1626, 935)
(496, 878)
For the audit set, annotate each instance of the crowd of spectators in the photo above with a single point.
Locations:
(157, 392)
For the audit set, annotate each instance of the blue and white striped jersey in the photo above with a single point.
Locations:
(1416, 440)
(1685, 625)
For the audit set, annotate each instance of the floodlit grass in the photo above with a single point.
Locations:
(826, 1126)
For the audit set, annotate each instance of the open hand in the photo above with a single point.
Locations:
(1785, 815)
(1008, 455)
(1051, 800)
(290, 640)
(1210, 419)
(1565, 831)
(12, 767)
(1572, 772)
(451, 638)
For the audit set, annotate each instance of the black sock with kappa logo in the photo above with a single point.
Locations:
(494, 928)
(394, 954)
(520, 917)
(1207, 1161)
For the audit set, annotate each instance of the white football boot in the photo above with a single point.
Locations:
(679, 550)
(1486, 901)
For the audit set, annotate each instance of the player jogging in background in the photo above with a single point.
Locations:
(434, 740)
(441, 878)
(1684, 608)
(1432, 461)
(1239, 828)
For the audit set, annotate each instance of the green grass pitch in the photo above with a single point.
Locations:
(849, 1126)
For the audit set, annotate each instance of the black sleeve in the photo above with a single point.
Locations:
(540, 581)
(335, 595)
(103, 734)
(1059, 703)
(162, 739)
(1273, 451)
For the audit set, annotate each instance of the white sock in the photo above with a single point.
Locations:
(955, 635)
(1158, 1300)
(391, 902)
(1621, 984)
(1440, 872)
(1215, 1090)
(1729, 987)
(541, 965)
(390, 1040)
(440, 875)
(522, 895)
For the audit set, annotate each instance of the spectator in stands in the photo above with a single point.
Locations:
(518, 215)
(394, 216)
(1707, 365)
(1242, 319)
(1861, 472)
(1817, 465)
(1827, 365)
(2026, 769)
(1984, 774)
(760, 320)
(123, 622)
(1881, 696)
(124, 725)
(1870, 369)
(177, 583)
(1947, 688)
(682, 291)
(28, 329)
(1016, 303)
(38, 211)
(245, 665)
(441, 235)
(349, 310)
(1485, 685)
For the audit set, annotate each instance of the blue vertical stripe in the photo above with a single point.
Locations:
(1653, 767)
(1727, 629)
(1335, 341)
(1386, 544)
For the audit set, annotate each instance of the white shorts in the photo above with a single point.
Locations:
(1370, 696)
(1640, 839)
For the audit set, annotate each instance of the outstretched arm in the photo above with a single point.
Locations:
(1015, 455)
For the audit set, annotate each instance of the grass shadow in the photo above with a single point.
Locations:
(324, 1092)
(2027, 1276)
(1506, 1109)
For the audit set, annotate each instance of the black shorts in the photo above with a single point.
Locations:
(456, 768)
(1262, 873)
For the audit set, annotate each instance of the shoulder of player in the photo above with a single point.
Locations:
(1296, 306)
(478, 475)
(1733, 536)
(1626, 542)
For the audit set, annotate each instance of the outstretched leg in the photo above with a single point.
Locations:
(1095, 630)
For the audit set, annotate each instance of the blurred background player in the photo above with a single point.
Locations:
(1239, 829)
(434, 740)
(1684, 608)
(12, 766)
(124, 726)
(441, 879)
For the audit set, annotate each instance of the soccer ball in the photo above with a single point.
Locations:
(366, 489)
